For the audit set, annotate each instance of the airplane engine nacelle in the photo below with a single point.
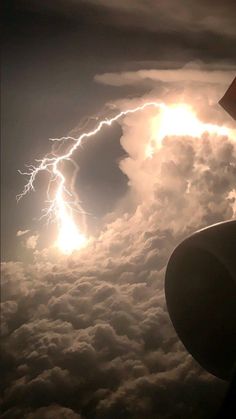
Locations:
(200, 288)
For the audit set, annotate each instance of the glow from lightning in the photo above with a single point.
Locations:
(171, 120)
(60, 207)
(180, 120)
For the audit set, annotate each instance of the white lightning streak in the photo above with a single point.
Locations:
(69, 237)
(176, 119)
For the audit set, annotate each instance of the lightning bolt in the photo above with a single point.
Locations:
(65, 201)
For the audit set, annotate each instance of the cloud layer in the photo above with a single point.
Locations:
(177, 16)
(189, 73)
(89, 336)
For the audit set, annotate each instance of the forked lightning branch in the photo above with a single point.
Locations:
(62, 202)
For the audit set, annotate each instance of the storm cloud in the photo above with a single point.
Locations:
(89, 336)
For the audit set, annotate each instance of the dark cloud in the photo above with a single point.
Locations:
(163, 16)
(176, 16)
(189, 29)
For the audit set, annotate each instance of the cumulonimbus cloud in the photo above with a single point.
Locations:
(89, 336)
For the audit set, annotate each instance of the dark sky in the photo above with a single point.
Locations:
(89, 336)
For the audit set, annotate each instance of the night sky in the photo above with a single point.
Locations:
(88, 336)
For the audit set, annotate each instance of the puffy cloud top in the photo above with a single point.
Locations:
(89, 336)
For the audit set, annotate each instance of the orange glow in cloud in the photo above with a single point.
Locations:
(177, 119)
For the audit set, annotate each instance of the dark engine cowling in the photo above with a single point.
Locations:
(200, 291)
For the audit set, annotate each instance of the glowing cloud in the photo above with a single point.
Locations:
(171, 120)
(179, 120)
(61, 207)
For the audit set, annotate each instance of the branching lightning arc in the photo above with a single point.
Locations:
(60, 205)
(175, 120)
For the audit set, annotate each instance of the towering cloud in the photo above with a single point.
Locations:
(89, 336)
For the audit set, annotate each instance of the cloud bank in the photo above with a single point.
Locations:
(181, 75)
(178, 16)
(89, 336)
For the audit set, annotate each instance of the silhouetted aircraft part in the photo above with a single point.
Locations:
(228, 101)
(228, 408)
(200, 288)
